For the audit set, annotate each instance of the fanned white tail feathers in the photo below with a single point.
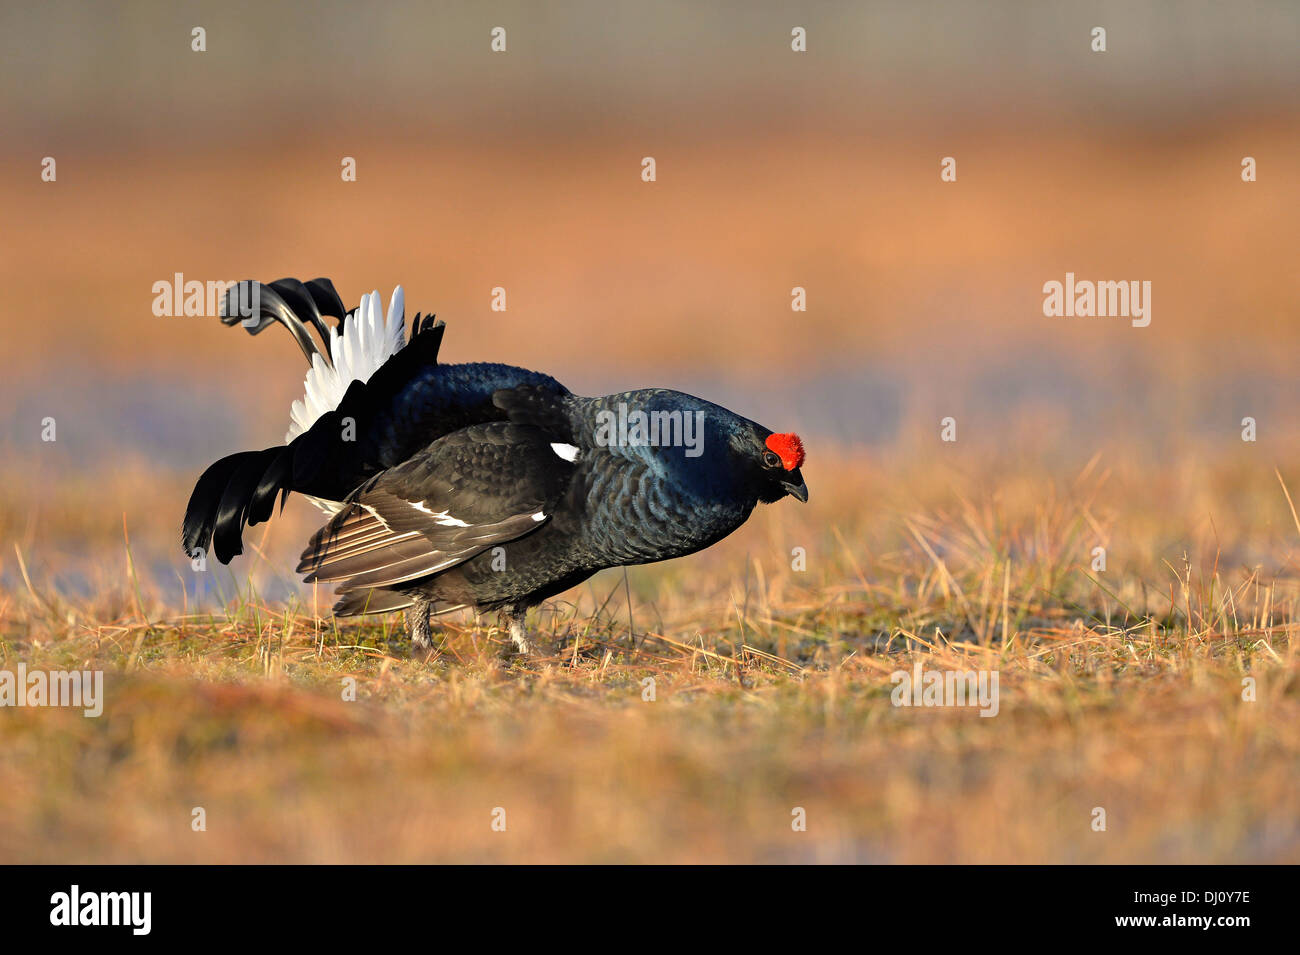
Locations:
(366, 342)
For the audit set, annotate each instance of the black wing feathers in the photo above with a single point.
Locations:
(534, 404)
(472, 489)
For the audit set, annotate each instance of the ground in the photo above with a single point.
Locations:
(1159, 696)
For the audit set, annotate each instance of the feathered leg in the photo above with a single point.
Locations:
(519, 635)
(417, 624)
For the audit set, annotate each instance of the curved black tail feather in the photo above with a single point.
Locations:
(203, 513)
(290, 302)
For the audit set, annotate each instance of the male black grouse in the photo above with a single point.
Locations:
(477, 485)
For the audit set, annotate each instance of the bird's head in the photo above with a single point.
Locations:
(773, 461)
(722, 455)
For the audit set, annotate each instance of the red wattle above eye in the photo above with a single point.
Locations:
(788, 448)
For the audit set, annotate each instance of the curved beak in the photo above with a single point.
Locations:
(796, 488)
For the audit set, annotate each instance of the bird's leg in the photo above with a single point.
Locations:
(519, 636)
(417, 624)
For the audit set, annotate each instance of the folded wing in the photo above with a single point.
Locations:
(468, 491)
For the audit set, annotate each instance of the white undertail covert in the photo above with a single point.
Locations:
(368, 339)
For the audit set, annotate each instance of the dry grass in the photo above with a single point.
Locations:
(1120, 689)
(772, 691)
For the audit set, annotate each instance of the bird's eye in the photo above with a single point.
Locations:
(770, 460)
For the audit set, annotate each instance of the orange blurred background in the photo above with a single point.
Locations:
(775, 169)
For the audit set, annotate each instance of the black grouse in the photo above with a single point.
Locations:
(478, 485)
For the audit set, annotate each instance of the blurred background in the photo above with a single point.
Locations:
(521, 169)
(775, 169)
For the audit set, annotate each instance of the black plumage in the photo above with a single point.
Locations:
(483, 485)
